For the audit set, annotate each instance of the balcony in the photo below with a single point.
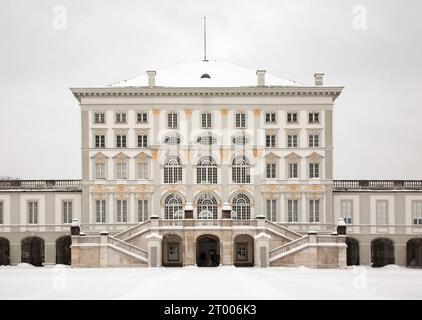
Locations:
(344, 185)
(41, 185)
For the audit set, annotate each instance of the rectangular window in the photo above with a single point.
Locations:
(67, 211)
(143, 210)
(292, 140)
(121, 141)
(241, 251)
(272, 210)
(417, 212)
(347, 211)
(121, 170)
(382, 212)
(120, 117)
(270, 117)
(313, 170)
(99, 117)
(271, 171)
(173, 252)
(313, 140)
(292, 170)
(313, 210)
(313, 117)
(292, 117)
(240, 120)
(172, 120)
(206, 120)
(142, 117)
(100, 170)
(1, 213)
(100, 211)
(292, 210)
(142, 141)
(143, 170)
(99, 141)
(121, 206)
(270, 140)
(32, 212)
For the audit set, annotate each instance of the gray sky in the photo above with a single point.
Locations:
(377, 120)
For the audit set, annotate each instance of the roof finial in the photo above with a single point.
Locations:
(205, 40)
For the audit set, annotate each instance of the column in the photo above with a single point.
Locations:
(225, 159)
(189, 166)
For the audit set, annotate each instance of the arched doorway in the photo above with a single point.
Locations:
(33, 251)
(382, 252)
(352, 252)
(243, 251)
(207, 251)
(4, 252)
(63, 254)
(172, 251)
(414, 253)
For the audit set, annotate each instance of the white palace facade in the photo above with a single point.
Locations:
(208, 163)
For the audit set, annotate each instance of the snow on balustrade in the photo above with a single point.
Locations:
(289, 246)
(86, 240)
(127, 246)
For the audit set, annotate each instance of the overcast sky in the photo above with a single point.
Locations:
(377, 119)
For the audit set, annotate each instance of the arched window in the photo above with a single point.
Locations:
(206, 171)
(241, 207)
(241, 172)
(172, 170)
(207, 207)
(173, 207)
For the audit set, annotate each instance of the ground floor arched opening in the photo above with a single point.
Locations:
(414, 253)
(382, 252)
(243, 251)
(172, 251)
(4, 252)
(33, 251)
(63, 254)
(207, 251)
(352, 252)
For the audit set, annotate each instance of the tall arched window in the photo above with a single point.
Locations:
(241, 207)
(173, 207)
(207, 207)
(206, 171)
(173, 170)
(241, 172)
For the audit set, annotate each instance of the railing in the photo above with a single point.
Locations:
(86, 240)
(127, 246)
(378, 184)
(326, 239)
(40, 184)
(289, 246)
(206, 223)
(133, 230)
(282, 230)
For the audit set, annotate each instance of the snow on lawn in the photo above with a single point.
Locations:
(62, 282)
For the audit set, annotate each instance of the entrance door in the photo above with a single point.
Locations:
(207, 251)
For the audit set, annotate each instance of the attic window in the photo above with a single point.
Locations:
(206, 75)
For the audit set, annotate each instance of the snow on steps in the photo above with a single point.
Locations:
(282, 231)
(128, 248)
(289, 248)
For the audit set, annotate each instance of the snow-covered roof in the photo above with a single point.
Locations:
(194, 74)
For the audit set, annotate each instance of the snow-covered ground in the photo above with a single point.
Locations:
(60, 282)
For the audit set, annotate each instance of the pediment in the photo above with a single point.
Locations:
(293, 155)
(121, 155)
(314, 156)
(99, 155)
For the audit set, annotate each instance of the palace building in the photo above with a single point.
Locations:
(208, 163)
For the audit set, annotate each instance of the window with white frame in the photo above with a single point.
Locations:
(32, 212)
(100, 141)
(173, 207)
(121, 141)
(121, 170)
(292, 140)
(143, 169)
(240, 140)
(241, 170)
(100, 211)
(172, 120)
(270, 140)
(173, 170)
(99, 117)
(206, 120)
(292, 117)
(313, 210)
(270, 117)
(1, 212)
(172, 140)
(143, 212)
(206, 170)
(241, 207)
(67, 211)
(271, 172)
(382, 212)
(240, 120)
(121, 207)
(121, 117)
(313, 170)
(313, 140)
(208, 139)
(347, 211)
(100, 170)
(417, 212)
(292, 210)
(292, 170)
(272, 209)
(313, 117)
(142, 117)
(142, 141)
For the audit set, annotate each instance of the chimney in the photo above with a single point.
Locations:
(319, 79)
(151, 78)
(260, 76)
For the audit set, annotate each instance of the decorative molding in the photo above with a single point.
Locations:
(224, 112)
(188, 112)
(257, 112)
(156, 112)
